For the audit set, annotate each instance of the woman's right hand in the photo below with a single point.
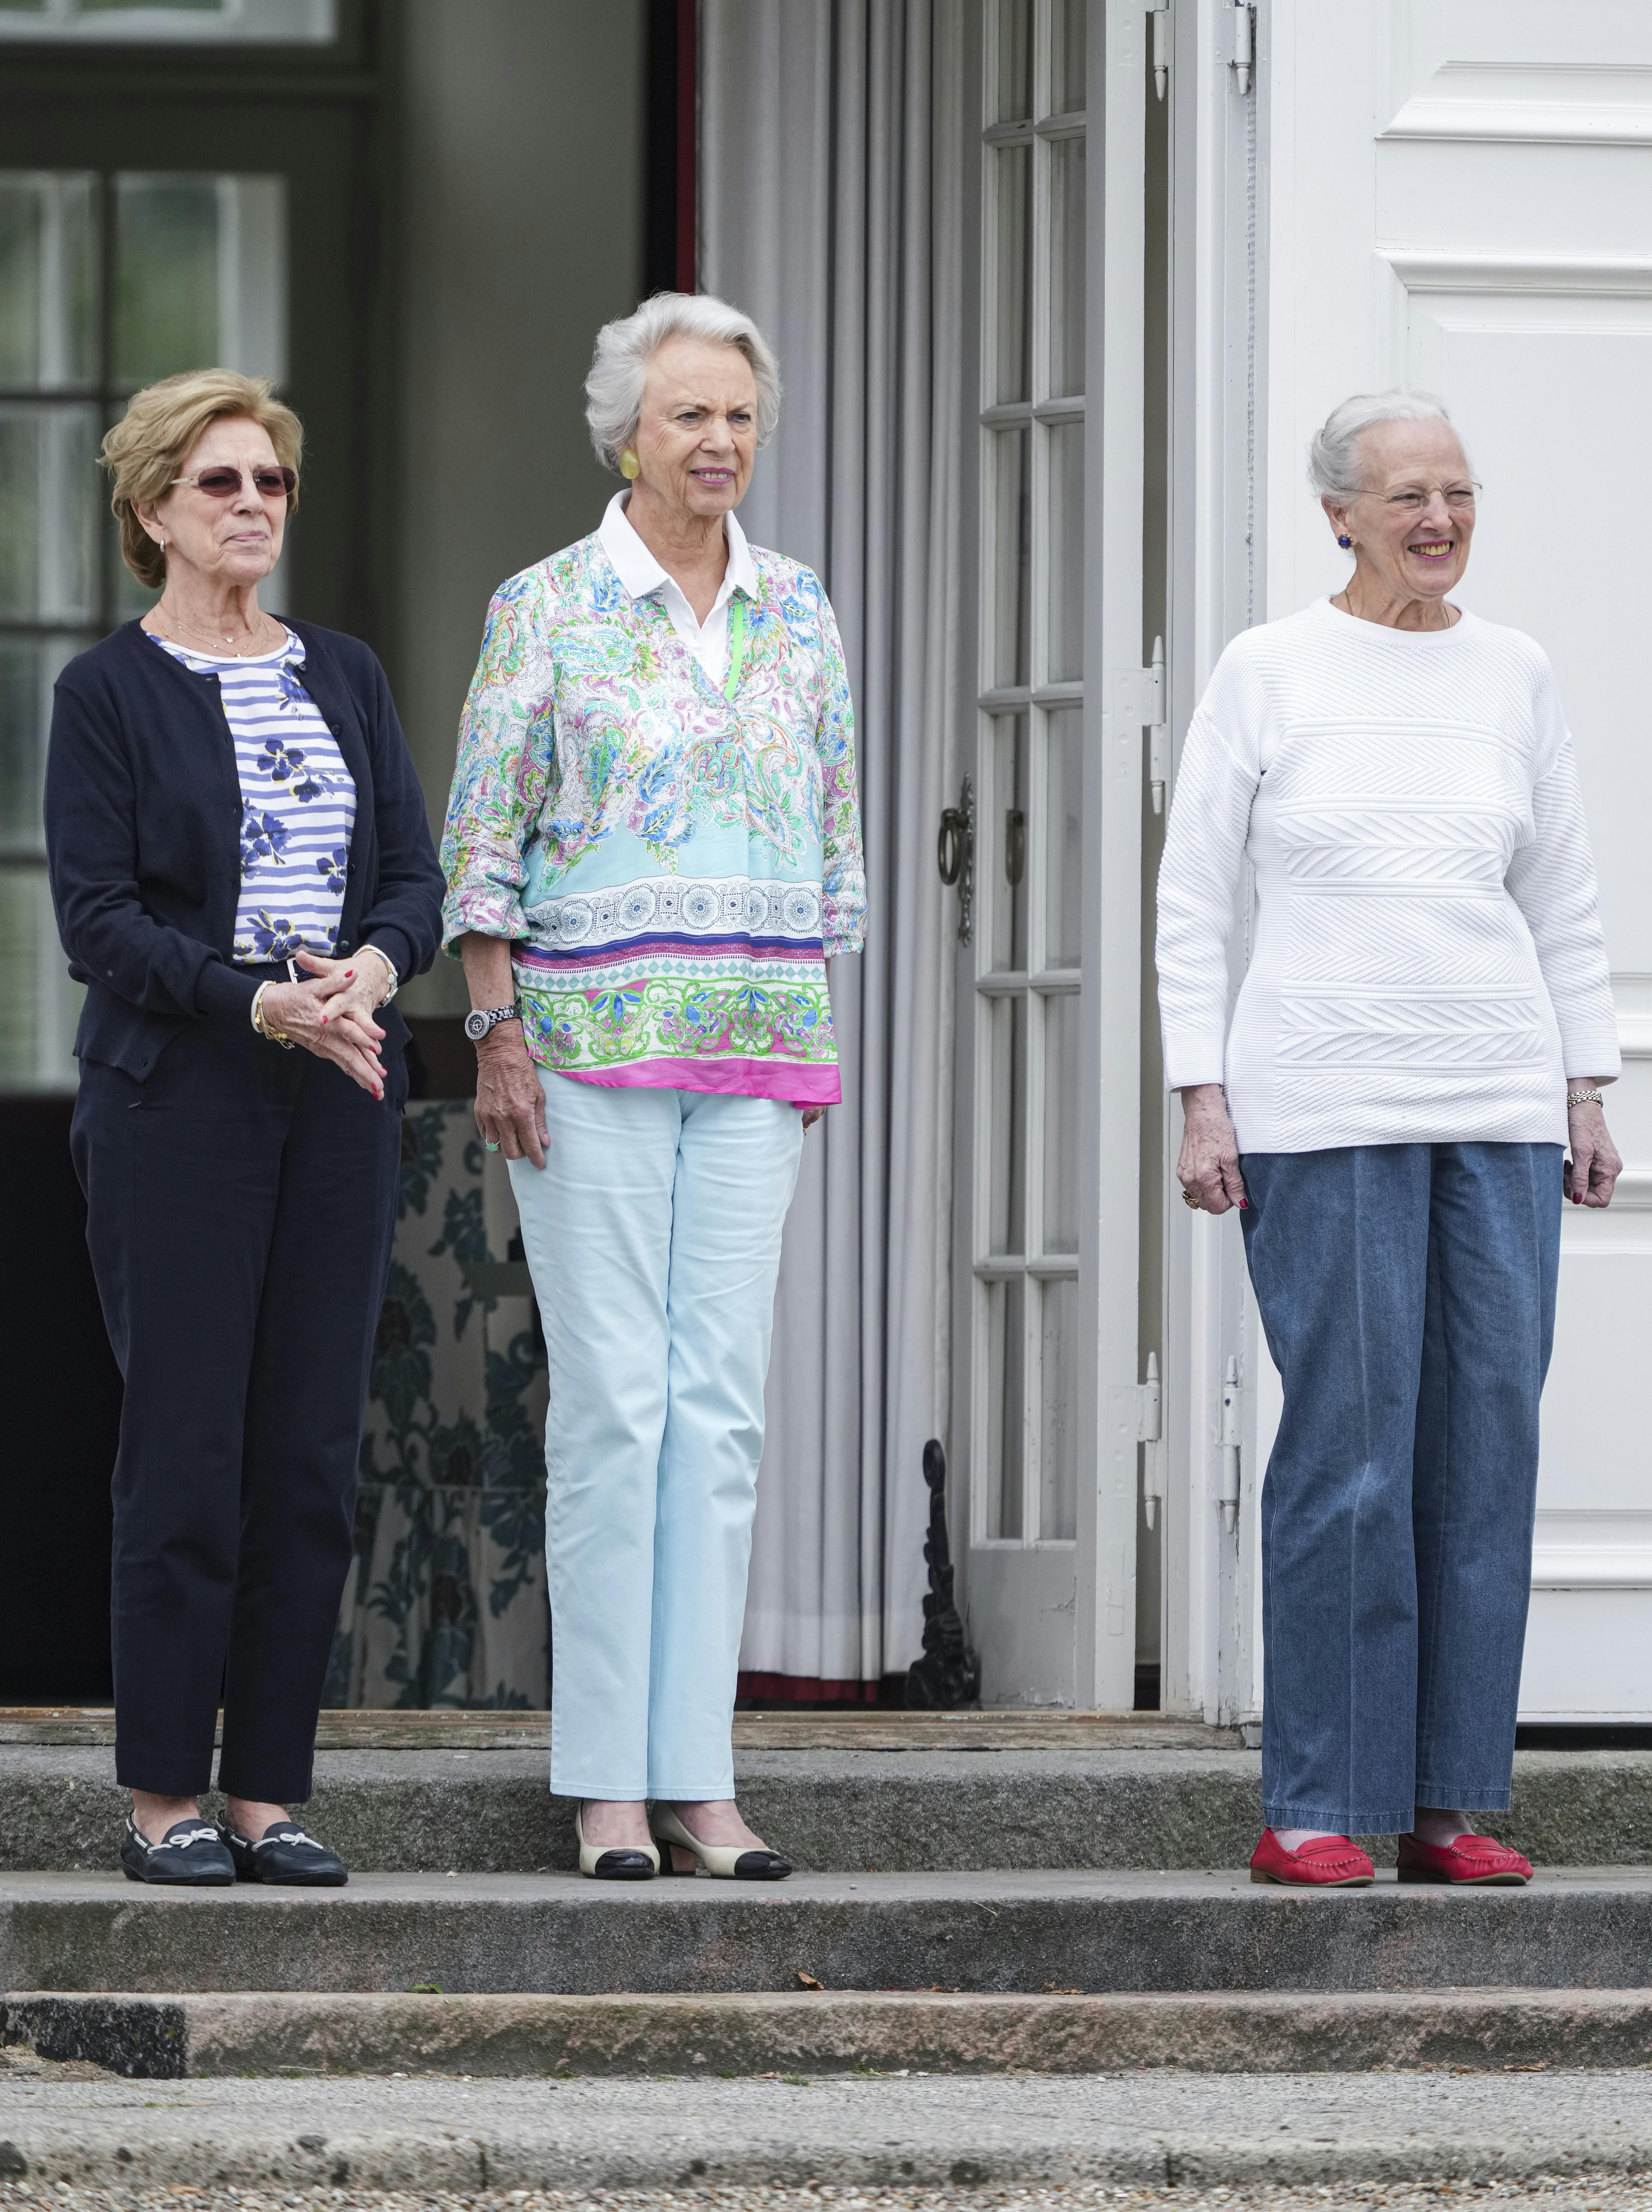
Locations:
(510, 1106)
(1209, 1165)
(308, 1014)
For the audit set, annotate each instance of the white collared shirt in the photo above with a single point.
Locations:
(640, 574)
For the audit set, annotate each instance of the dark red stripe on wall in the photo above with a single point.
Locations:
(688, 145)
(807, 1690)
(671, 255)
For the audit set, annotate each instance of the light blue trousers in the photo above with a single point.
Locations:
(653, 1232)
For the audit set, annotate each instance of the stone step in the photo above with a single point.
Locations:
(1149, 2131)
(1038, 1933)
(489, 1811)
(832, 2032)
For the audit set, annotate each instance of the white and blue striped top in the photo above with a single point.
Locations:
(298, 804)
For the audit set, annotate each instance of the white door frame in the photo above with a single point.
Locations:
(1210, 1639)
(1110, 1031)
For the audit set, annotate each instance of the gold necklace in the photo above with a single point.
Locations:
(174, 623)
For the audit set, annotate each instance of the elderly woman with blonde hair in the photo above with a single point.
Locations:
(242, 873)
(1409, 1084)
(653, 846)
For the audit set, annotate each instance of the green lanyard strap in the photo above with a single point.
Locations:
(736, 645)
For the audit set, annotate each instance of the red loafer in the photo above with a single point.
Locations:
(1471, 1860)
(1326, 1863)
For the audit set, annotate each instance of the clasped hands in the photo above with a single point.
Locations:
(331, 1015)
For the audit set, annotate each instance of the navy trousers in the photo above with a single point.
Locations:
(240, 1203)
(1408, 1292)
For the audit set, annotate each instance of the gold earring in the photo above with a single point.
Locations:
(631, 467)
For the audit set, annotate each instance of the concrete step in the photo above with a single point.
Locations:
(1142, 2130)
(832, 2032)
(1037, 1933)
(489, 1811)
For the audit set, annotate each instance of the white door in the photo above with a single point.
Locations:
(1458, 194)
(1050, 984)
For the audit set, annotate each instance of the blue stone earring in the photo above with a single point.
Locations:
(1345, 541)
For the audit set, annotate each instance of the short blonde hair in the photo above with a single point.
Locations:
(144, 449)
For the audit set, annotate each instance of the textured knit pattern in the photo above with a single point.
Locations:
(674, 865)
(298, 804)
(1428, 964)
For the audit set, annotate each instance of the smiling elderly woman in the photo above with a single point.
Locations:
(1420, 1038)
(652, 843)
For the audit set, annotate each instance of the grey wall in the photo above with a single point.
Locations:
(521, 230)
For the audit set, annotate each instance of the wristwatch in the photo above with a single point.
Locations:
(480, 1020)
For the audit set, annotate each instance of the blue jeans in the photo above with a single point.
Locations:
(1408, 1292)
(653, 1232)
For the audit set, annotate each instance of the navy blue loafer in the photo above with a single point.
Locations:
(283, 1853)
(190, 1856)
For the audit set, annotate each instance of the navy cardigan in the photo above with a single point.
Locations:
(142, 833)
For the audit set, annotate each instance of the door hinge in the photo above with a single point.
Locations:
(1232, 1433)
(1161, 15)
(1239, 37)
(1140, 694)
(1150, 1427)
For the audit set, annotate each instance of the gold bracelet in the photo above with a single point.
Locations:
(276, 1036)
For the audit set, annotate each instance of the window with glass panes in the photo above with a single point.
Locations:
(106, 283)
(1030, 774)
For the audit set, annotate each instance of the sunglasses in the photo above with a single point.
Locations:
(224, 483)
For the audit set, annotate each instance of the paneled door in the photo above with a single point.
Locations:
(1486, 235)
(1048, 1547)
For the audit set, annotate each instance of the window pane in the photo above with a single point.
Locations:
(39, 1006)
(1006, 1203)
(1066, 357)
(48, 279)
(1058, 1455)
(28, 668)
(1067, 90)
(1061, 1121)
(1064, 774)
(166, 279)
(1006, 828)
(1066, 526)
(1012, 376)
(50, 494)
(1011, 558)
(1006, 1418)
(1015, 30)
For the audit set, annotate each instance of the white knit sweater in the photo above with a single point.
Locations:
(1428, 960)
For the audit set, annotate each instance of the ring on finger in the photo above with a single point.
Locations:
(1191, 1198)
(488, 1144)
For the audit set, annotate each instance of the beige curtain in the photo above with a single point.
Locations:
(833, 208)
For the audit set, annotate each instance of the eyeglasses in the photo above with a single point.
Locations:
(223, 483)
(1459, 497)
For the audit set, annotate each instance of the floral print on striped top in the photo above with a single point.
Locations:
(298, 803)
(673, 864)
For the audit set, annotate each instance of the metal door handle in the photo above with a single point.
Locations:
(951, 845)
(954, 856)
(1015, 845)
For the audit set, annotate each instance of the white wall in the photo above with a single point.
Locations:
(521, 230)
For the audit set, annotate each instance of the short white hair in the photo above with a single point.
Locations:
(1333, 463)
(613, 391)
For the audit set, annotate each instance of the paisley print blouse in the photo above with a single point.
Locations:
(673, 860)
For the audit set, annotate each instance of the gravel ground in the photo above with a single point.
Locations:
(1572, 2193)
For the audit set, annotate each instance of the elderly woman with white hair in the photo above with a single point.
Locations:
(1410, 1081)
(653, 846)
